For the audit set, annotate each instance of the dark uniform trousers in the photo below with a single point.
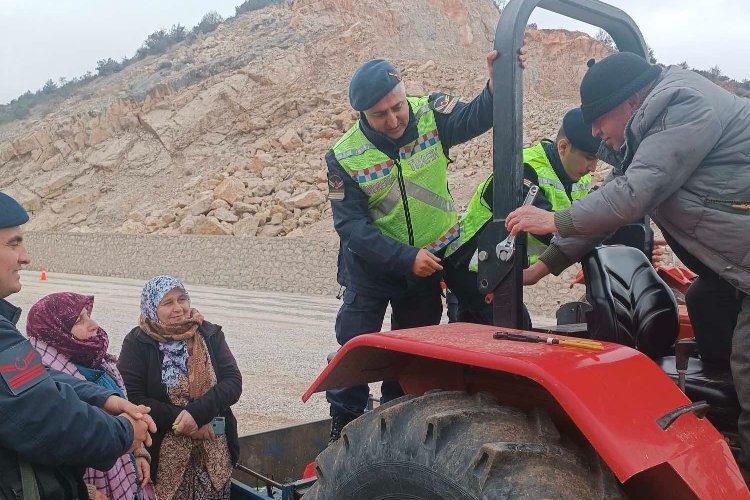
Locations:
(360, 314)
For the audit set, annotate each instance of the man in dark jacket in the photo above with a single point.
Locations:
(53, 426)
(562, 170)
(680, 145)
(392, 209)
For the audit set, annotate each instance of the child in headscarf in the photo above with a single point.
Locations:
(61, 328)
(180, 365)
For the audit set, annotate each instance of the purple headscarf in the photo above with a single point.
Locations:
(51, 320)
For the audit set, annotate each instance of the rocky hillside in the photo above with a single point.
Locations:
(226, 135)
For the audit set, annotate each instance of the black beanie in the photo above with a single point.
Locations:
(609, 83)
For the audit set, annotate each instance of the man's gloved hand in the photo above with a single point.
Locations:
(425, 264)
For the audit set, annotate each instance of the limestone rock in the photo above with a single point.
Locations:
(133, 227)
(240, 207)
(247, 226)
(290, 141)
(200, 206)
(307, 199)
(209, 225)
(230, 190)
(270, 231)
(225, 215)
(219, 203)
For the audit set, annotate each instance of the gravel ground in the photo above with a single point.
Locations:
(280, 341)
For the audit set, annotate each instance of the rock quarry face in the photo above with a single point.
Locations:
(229, 137)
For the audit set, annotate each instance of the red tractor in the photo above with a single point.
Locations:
(632, 412)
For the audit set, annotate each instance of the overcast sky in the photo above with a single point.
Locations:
(42, 39)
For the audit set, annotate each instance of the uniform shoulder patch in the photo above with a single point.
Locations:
(527, 183)
(444, 103)
(335, 187)
(21, 367)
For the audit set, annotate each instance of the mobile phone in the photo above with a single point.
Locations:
(217, 424)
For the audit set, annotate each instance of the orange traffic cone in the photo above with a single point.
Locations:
(43, 276)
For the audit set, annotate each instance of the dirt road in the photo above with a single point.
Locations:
(280, 341)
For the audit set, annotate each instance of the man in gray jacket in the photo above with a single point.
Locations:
(681, 146)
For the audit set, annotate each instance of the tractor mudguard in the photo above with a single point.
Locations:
(614, 396)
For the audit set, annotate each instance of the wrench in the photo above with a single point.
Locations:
(506, 248)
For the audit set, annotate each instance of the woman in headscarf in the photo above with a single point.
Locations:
(181, 366)
(69, 340)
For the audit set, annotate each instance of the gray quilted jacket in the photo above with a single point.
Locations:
(685, 163)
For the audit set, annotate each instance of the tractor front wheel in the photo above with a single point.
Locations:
(452, 445)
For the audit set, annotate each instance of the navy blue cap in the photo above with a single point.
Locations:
(12, 214)
(578, 132)
(371, 82)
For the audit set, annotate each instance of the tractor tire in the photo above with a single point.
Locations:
(452, 445)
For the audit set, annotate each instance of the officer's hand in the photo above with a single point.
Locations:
(535, 272)
(184, 423)
(493, 54)
(140, 432)
(114, 405)
(531, 220)
(425, 264)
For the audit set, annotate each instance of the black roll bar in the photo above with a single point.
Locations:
(504, 279)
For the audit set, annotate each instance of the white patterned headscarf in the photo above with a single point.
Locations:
(155, 290)
(175, 353)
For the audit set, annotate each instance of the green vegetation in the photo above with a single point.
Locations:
(156, 43)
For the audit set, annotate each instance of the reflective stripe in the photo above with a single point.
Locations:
(581, 187)
(424, 109)
(428, 197)
(387, 203)
(450, 235)
(415, 191)
(383, 183)
(543, 181)
(354, 152)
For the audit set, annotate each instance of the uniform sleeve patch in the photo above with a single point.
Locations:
(527, 183)
(335, 187)
(21, 368)
(444, 103)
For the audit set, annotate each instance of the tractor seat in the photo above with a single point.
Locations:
(710, 382)
(631, 305)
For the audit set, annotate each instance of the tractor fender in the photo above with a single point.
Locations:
(614, 396)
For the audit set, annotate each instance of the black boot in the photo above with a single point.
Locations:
(338, 423)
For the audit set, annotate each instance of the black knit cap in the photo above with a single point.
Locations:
(609, 83)
(371, 82)
(12, 214)
(578, 132)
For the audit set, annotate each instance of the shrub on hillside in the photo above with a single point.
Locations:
(249, 5)
(159, 41)
(209, 22)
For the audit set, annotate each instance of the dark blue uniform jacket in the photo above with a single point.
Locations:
(370, 262)
(50, 418)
